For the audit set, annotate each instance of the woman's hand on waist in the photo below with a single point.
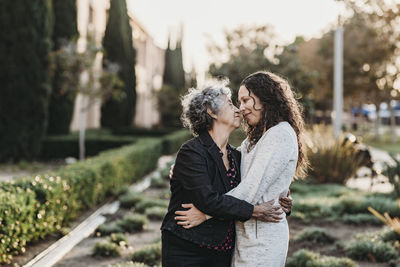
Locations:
(267, 212)
(189, 218)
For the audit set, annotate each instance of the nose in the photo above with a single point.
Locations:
(241, 107)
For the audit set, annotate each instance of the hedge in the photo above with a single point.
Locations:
(56, 147)
(33, 207)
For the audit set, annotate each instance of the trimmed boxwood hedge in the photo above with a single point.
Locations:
(31, 208)
(63, 146)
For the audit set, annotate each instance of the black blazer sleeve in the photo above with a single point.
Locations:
(191, 170)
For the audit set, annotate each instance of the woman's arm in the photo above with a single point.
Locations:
(272, 157)
(192, 173)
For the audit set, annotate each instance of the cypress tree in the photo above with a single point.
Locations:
(179, 73)
(173, 86)
(62, 101)
(24, 76)
(168, 69)
(118, 48)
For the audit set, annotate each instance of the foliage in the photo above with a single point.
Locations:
(118, 239)
(62, 146)
(144, 204)
(393, 223)
(333, 160)
(236, 138)
(246, 50)
(24, 77)
(360, 219)
(157, 181)
(133, 222)
(335, 202)
(301, 79)
(371, 250)
(173, 141)
(118, 49)
(392, 172)
(149, 255)
(155, 213)
(314, 235)
(173, 87)
(61, 104)
(108, 229)
(106, 249)
(33, 207)
(306, 258)
(130, 199)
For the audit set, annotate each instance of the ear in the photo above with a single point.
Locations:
(212, 115)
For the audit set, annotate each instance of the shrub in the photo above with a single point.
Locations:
(165, 194)
(360, 219)
(63, 146)
(141, 206)
(315, 235)
(164, 172)
(158, 182)
(149, 255)
(118, 239)
(155, 213)
(306, 258)
(133, 222)
(106, 249)
(392, 171)
(359, 203)
(371, 250)
(144, 132)
(31, 208)
(130, 199)
(108, 229)
(333, 160)
(172, 142)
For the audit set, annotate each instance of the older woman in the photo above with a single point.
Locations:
(206, 168)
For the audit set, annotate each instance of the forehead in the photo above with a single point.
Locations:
(243, 91)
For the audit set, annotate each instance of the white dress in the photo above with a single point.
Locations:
(267, 171)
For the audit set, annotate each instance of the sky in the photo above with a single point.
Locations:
(204, 21)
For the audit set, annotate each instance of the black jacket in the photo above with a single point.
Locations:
(200, 178)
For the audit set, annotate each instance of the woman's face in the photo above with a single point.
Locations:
(229, 114)
(250, 106)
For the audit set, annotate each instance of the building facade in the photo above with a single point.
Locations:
(92, 19)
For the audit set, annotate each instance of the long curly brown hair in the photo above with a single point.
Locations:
(279, 104)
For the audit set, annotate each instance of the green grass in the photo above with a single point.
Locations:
(337, 202)
(389, 147)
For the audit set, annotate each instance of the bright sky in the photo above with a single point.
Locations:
(208, 18)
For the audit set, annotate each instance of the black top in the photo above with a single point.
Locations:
(200, 178)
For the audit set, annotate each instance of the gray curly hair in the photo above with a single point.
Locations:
(196, 102)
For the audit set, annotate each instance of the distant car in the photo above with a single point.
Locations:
(369, 110)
